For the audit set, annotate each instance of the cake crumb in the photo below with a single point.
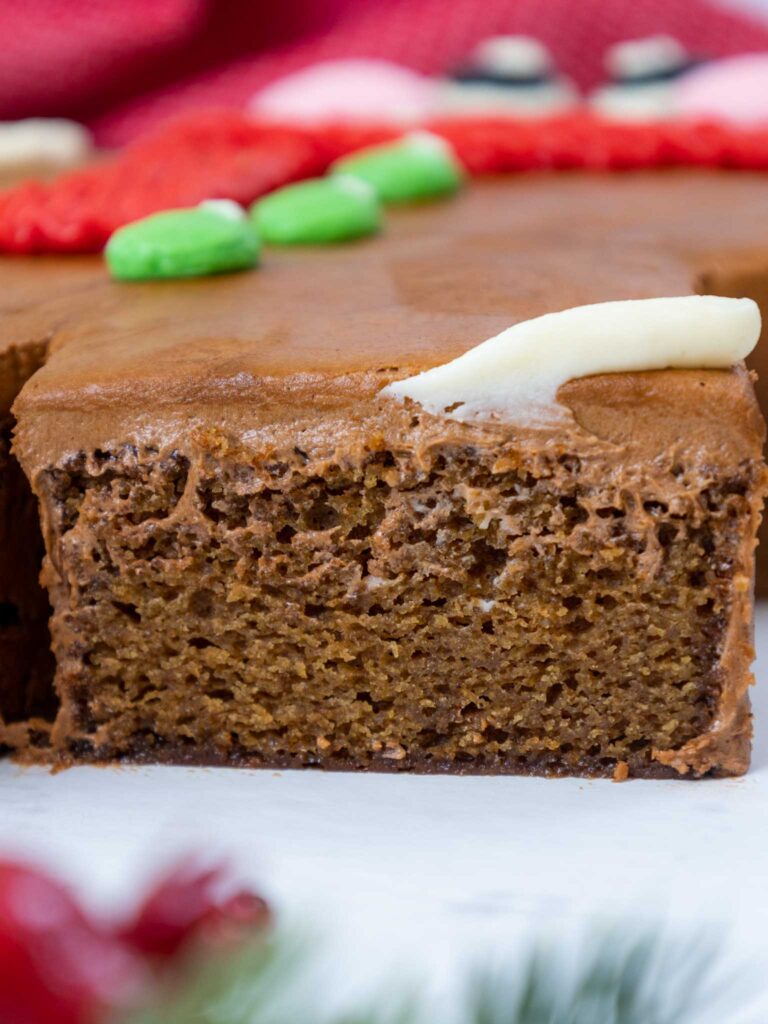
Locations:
(621, 771)
(394, 753)
(742, 584)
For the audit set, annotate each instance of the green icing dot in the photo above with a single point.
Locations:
(319, 211)
(207, 239)
(417, 166)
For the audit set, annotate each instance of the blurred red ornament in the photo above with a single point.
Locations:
(56, 965)
(59, 966)
(192, 903)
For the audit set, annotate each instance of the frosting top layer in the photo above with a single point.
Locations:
(348, 320)
(515, 376)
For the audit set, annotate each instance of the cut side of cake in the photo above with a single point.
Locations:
(383, 591)
(254, 556)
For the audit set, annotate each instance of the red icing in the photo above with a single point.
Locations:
(224, 155)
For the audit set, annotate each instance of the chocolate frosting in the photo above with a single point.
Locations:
(441, 279)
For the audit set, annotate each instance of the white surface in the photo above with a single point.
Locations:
(417, 872)
(517, 373)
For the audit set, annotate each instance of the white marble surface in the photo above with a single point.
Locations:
(415, 873)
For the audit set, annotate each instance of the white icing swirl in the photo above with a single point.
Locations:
(515, 376)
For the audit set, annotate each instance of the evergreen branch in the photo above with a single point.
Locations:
(618, 978)
(254, 983)
(403, 1012)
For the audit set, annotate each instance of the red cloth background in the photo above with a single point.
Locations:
(124, 65)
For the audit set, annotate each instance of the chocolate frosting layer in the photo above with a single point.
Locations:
(440, 280)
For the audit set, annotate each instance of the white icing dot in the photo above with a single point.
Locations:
(226, 207)
(354, 186)
(513, 55)
(515, 375)
(428, 141)
(43, 140)
(648, 56)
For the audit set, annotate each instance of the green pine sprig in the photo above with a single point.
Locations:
(620, 977)
(255, 982)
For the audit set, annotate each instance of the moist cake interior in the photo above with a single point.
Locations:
(246, 549)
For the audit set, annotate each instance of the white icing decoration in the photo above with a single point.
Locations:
(648, 56)
(353, 186)
(515, 375)
(40, 140)
(513, 55)
(486, 98)
(645, 101)
(427, 141)
(628, 100)
(226, 207)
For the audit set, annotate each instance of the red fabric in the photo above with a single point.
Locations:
(225, 155)
(123, 67)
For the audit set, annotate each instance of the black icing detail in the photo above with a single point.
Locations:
(479, 76)
(662, 75)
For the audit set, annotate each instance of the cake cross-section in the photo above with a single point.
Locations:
(268, 544)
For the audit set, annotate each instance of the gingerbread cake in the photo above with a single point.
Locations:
(256, 554)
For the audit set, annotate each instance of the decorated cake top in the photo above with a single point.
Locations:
(442, 276)
(244, 160)
(316, 329)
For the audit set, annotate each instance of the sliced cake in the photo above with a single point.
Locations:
(257, 554)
